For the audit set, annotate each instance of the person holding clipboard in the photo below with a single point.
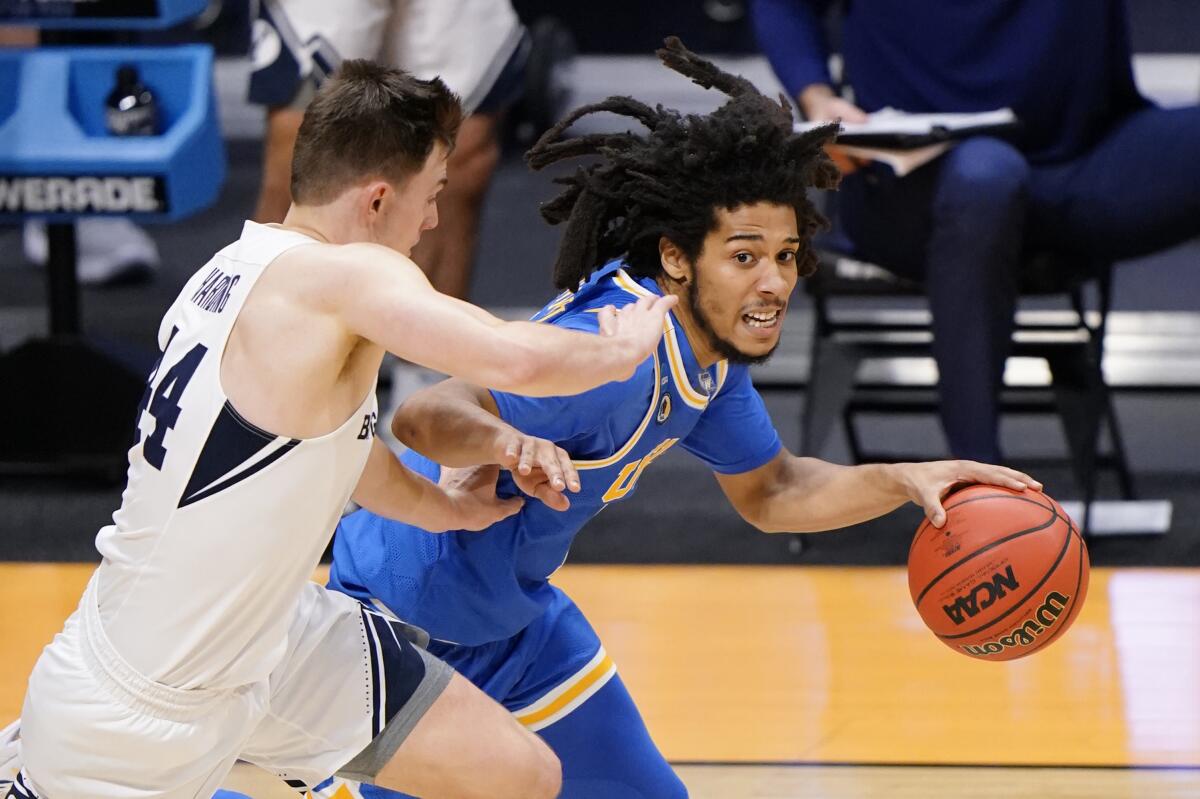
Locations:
(1091, 168)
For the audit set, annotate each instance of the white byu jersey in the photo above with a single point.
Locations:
(221, 522)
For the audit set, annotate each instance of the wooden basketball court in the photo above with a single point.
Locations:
(822, 682)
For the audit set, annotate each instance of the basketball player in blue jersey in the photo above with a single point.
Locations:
(712, 210)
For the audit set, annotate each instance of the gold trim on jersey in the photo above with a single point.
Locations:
(629, 476)
(637, 434)
(683, 384)
(557, 306)
(641, 428)
(569, 694)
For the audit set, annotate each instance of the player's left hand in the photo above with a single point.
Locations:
(926, 483)
(472, 501)
(540, 468)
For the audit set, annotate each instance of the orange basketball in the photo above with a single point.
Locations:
(1004, 577)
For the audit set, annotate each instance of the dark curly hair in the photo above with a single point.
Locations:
(670, 181)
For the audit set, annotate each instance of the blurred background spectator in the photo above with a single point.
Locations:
(1095, 169)
(478, 47)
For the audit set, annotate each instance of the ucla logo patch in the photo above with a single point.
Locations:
(664, 409)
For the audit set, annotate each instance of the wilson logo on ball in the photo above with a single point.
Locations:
(982, 596)
(1043, 619)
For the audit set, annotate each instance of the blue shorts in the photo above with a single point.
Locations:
(542, 673)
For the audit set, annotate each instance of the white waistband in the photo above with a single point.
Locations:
(135, 689)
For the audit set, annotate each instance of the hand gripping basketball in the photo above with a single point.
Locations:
(927, 483)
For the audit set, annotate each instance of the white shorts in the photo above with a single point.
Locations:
(300, 42)
(347, 692)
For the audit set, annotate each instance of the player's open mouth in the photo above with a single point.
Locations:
(763, 319)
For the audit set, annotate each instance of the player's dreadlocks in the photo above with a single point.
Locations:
(669, 181)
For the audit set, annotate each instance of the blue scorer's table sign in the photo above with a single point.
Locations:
(59, 161)
(96, 14)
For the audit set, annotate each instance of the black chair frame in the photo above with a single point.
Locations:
(1071, 343)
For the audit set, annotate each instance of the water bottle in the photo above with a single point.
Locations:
(130, 109)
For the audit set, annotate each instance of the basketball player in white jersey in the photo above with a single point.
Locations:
(199, 640)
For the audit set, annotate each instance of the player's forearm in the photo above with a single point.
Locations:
(446, 424)
(397, 309)
(388, 489)
(525, 358)
(553, 361)
(385, 486)
(811, 495)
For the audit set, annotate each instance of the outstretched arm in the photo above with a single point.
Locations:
(383, 297)
(388, 489)
(798, 495)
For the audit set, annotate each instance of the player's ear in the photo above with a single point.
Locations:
(375, 194)
(674, 263)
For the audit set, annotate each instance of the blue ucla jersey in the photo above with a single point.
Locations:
(474, 587)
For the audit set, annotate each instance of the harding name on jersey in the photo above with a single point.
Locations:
(214, 290)
(82, 194)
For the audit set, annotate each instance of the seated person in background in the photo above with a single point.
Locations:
(1096, 171)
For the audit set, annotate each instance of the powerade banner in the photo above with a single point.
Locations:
(83, 194)
(77, 9)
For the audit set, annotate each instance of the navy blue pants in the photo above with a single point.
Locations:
(961, 224)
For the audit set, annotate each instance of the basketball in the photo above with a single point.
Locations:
(1003, 578)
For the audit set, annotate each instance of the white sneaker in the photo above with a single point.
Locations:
(110, 250)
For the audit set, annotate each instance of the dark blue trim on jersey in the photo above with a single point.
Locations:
(371, 634)
(232, 442)
(20, 789)
(403, 668)
(240, 476)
